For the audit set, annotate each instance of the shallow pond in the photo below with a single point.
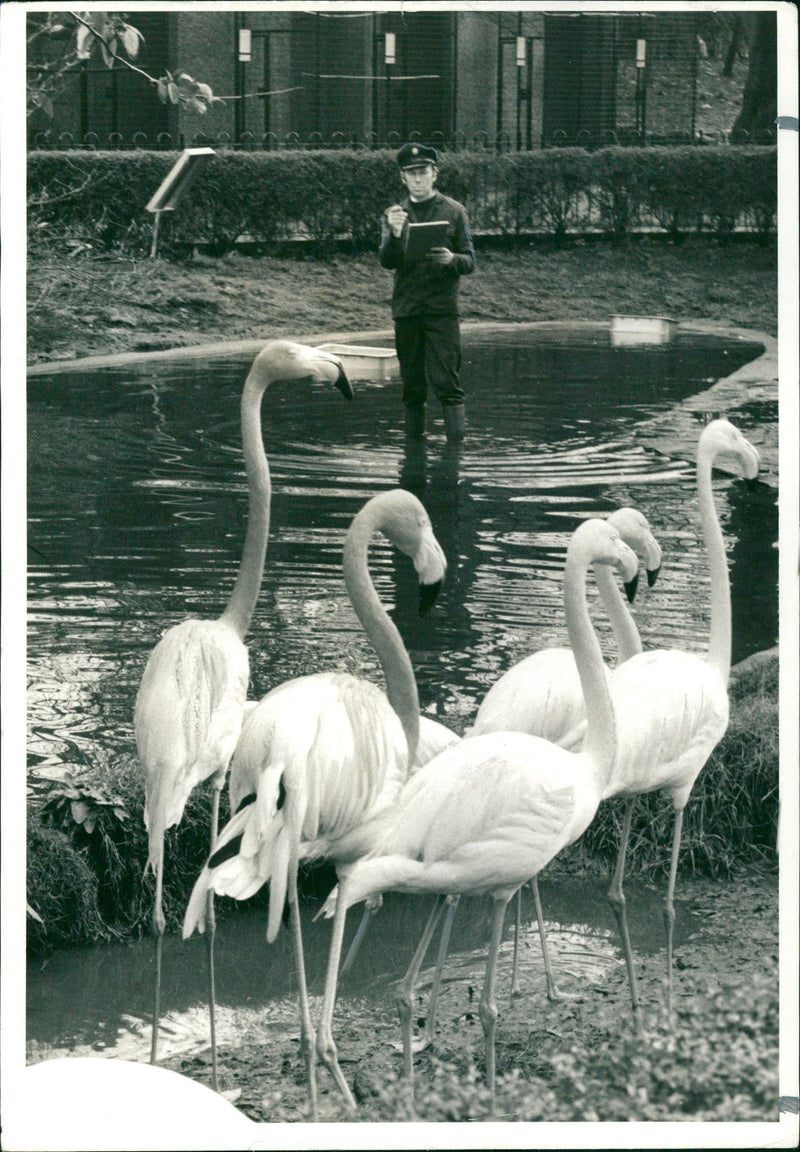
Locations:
(101, 997)
(137, 500)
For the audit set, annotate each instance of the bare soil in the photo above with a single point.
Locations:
(87, 302)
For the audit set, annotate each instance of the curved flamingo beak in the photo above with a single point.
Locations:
(652, 575)
(427, 596)
(343, 384)
(630, 588)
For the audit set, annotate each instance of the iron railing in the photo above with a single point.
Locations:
(269, 141)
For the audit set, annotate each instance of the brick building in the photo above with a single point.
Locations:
(523, 79)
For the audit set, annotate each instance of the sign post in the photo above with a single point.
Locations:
(175, 185)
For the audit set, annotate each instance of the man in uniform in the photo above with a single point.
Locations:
(425, 295)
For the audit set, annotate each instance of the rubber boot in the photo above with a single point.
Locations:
(455, 421)
(415, 421)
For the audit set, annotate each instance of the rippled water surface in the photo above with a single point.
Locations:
(137, 501)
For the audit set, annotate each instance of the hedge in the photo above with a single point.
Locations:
(333, 196)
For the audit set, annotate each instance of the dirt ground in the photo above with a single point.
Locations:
(87, 302)
(734, 946)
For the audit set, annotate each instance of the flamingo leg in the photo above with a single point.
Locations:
(405, 992)
(158, 929)
(211, 931)
(669, 907)
(326, 1048)
(515, 988)
(356, 942)
(617, 899)
(553, 992)
(441, 956)
(306, 1027)
(488, 1005)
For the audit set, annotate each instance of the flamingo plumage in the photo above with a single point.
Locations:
(490, 812)
(96, 1103)
(542, 695)
(672, 706)
(190, 702)
(322, 757)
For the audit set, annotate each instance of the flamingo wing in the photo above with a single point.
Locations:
(541, 695)
(188, 714)
(433, 739)
(319, 760)
(671, 709)
(507, 793)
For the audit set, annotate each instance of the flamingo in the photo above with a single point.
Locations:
(672, 706)
(542, 695)
(96, 1103)
(321, 757)
(191, 698)
(490, 812)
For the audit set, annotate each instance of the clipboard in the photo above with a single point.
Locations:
(420, 238)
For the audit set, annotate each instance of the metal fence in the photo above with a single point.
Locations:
(269, 141)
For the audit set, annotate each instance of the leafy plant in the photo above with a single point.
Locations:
(72, 801)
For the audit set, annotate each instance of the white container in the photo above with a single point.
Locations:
(363, 363)
(642, 329)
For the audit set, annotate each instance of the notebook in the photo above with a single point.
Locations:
(420, 238)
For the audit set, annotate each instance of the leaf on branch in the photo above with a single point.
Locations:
(162, 90)
(174, 94)
(205, 93)
(84, 42)
(109, 50)
(131, 38)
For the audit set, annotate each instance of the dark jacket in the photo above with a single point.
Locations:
(425, 287)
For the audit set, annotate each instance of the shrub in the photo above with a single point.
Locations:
(336, 196)
(89, 882)
(718, 1063)
(62, 891)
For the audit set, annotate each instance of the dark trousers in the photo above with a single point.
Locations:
(429, 351)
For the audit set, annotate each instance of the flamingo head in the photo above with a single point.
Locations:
(402, 518)
(286, 360)
(600, 542)
(729, 450)
(635, 531)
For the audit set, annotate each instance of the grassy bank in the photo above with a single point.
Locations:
(84, 301)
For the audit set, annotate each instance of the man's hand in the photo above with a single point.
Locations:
(441, 256)
(396, 217)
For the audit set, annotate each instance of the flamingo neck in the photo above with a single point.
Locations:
(401, 686)
(623, 625)
(600, 744)
(241, 604)
(719, 640)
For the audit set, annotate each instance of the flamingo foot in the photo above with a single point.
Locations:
(555, 993)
